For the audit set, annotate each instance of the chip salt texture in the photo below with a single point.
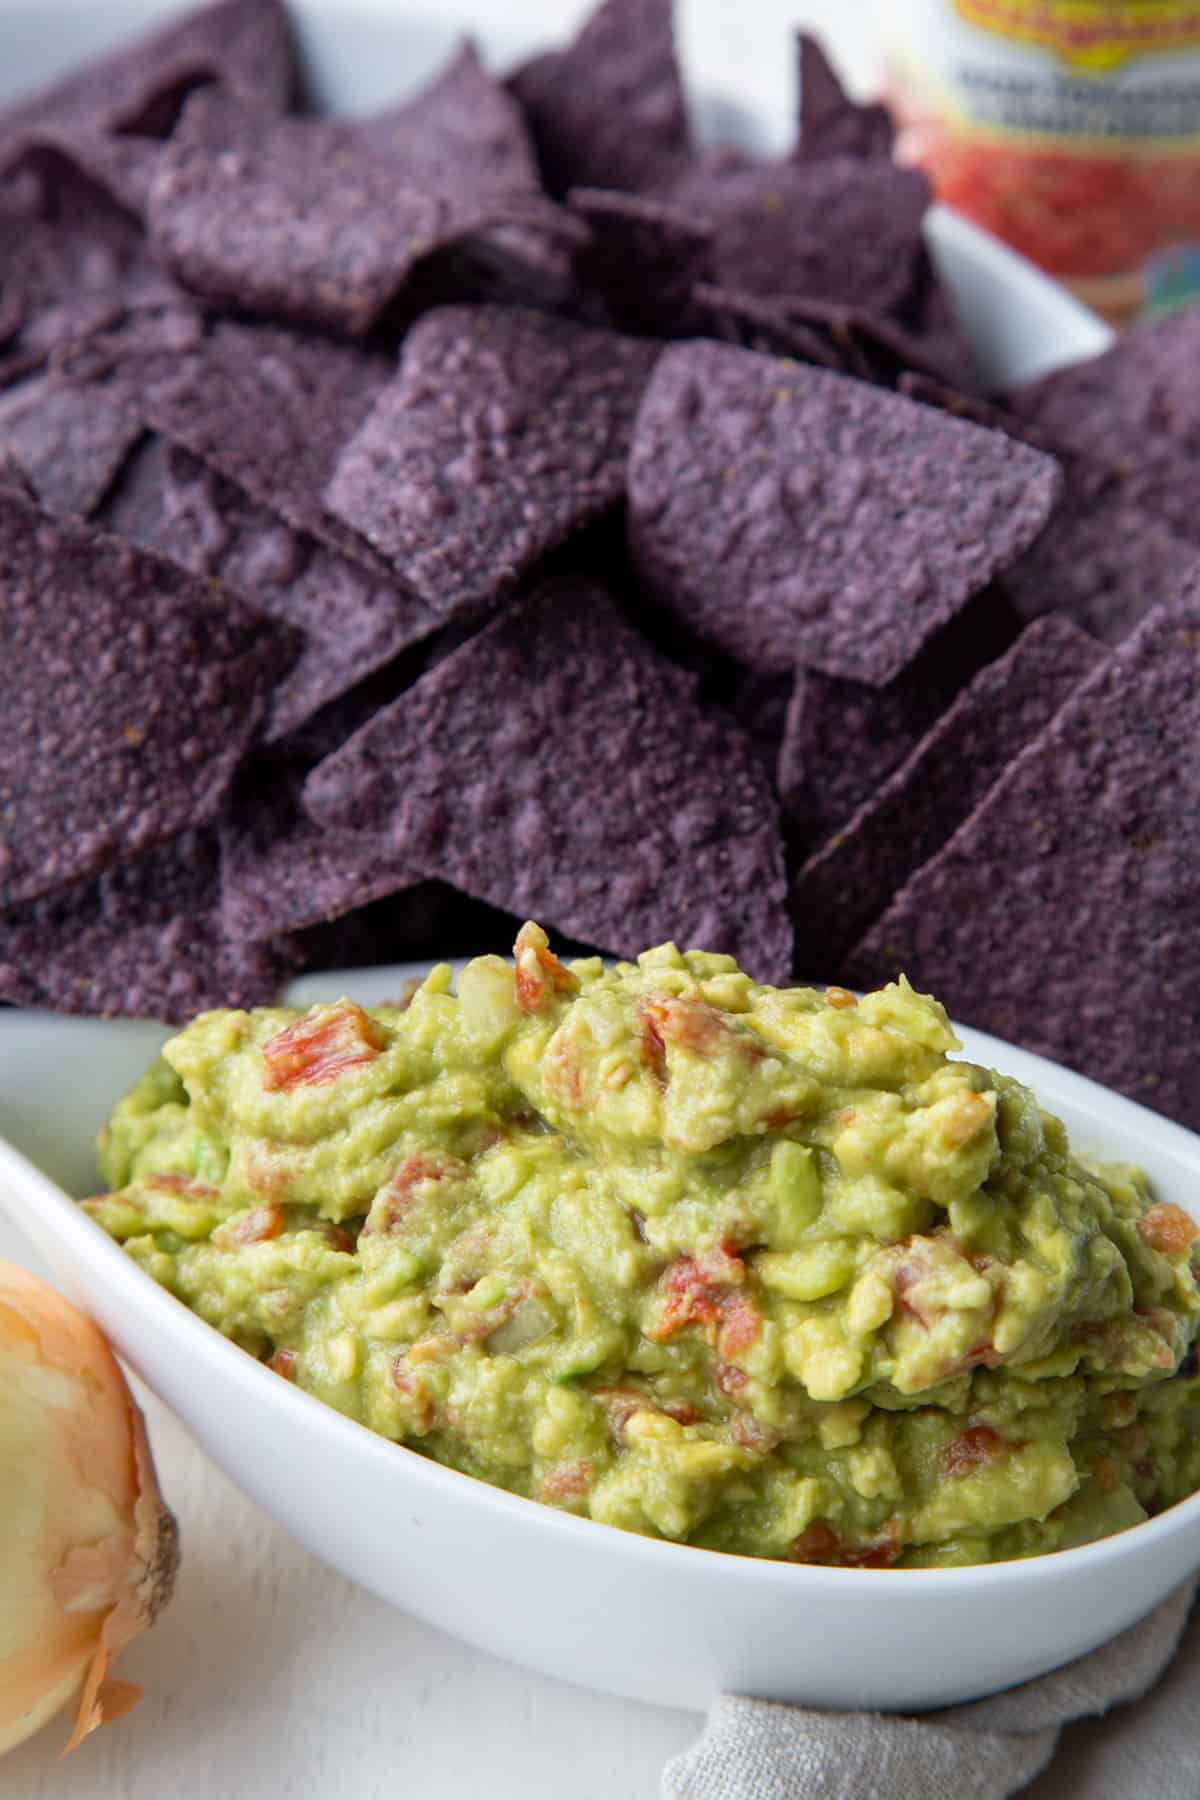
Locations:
(797, 518)
(132, 691)
(1077, 881)
(504, 431)
(838, 892)
(143, 940)
(353, 620)
(557, 758)
(608, 111)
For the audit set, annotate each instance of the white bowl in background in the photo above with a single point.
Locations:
(739, 66)
(653, 1621)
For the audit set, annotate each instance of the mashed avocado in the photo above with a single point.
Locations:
(756, 1269)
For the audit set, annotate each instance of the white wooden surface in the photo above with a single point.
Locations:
(272, 1677)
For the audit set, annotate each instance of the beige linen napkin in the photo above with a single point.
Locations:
(759, 1750)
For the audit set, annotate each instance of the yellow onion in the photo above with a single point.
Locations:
(88, 1551)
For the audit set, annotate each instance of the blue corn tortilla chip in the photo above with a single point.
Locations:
(1128, 422)
(272, 409)
(143, 940)
(831, 124)
(353, 622)
(123, 167)
(1062, 913)
(1100, 563)
(462, 134)
(642, 264)
(757, 324)
(841, 739)
(850, 881)
(282, 873)
(557, 766)
(132, 692)
(69, 438)
(243, 211)
(504, 431)
(799, 519)
(842, 230)
(608, 111)
(245, 46)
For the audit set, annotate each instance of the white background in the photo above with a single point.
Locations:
(271, 1676)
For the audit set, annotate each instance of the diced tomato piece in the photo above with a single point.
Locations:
(973, 1449)
(414, 1386)
(397, 1196)
(691, 1290)
(182, 1184)
(822, 1544)
(1168, 1228)
(748, 1434)
(568, 1482)
(740, 1327)
(818, 1543)
(539, 974)
(316, 1050)
(284, 1363)
(256, 1228)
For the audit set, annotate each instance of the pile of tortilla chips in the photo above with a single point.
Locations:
(502, 505)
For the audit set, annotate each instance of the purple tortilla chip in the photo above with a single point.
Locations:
(1100, 563)
(932, 390)
(796, 518)
(831, 124)
(504, 431)
(243, 45)
(1128, 422)
(465, 140)
(463, 134)
(843, 230)
(143, 940)
(282, 873)
(132, 691)
(273, 409)
(124, 167)
(245, 213)
(643, 261)
(558, 767)
(757, 324)
(69, 438)
(841, 740)
(1062, 914)
(608, 111)
(850, 881)
(353, 622)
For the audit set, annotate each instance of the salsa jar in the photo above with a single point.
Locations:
(1070, 128)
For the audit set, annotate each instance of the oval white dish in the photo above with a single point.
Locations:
(653, 1621)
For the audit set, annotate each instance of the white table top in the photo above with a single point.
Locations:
(271, 1676)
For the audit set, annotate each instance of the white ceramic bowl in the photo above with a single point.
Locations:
(650, 1620)
(654, 1621)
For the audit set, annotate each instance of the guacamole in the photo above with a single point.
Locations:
(761, 1270)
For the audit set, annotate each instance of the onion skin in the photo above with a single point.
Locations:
(88, 1550)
